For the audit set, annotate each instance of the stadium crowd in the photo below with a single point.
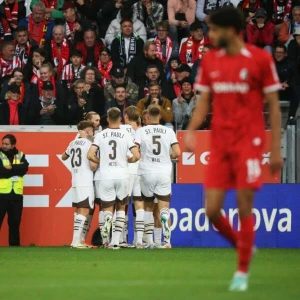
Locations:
(68, 58)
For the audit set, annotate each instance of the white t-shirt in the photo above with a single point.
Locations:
(132, 167)
(82, 175)
(155, 142)
(114, 145)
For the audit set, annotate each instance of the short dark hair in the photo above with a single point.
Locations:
(113, 114)
(89, 115)
(41, 51)
(105, 50)
(11, 138)
(154, 110)
(133, 113)
(152, 67)
(17, 70)
(281, 46)
(163, 24)
(21, 29)
(120, 86)
(76, 52)
(228, 17)
(85, 124)
(196, 25)
(97, 73)
(153, 83)
(126, 20)
(5, 44)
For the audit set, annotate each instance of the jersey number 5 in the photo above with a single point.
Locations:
(76, 157)
(114, 149)
(156, 142)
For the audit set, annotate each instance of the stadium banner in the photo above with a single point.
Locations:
(48, 216)
(191, 166)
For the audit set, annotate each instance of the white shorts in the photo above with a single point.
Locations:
(110, 190)
(83, 197)
(156, 185)
(96, 187)
(134, 186)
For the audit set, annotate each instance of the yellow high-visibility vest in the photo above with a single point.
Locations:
(15, 183)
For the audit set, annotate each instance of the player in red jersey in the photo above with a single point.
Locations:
(236, 78)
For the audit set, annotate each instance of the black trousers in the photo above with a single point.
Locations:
(14, 209)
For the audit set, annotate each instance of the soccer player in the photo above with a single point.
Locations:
(237, 78)
(113, 144)
(132, 123)
(155, 167)
(82, 179)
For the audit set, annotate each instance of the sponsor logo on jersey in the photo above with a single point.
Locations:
(230, 87)
(243, 74)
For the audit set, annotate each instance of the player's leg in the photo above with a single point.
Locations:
(157, 225)
(123, 236)
(213, 205)
(87, 225)
(139, 211)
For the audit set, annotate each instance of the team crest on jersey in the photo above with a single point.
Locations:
(189, 43)
(243, 74)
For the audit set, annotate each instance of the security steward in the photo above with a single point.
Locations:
(13, 166)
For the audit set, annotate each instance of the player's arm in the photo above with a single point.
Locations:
(135, 154)
(93, 166)
(275, 123)
(175, 151)
(92, 154)
(65, 156)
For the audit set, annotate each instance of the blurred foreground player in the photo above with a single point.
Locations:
(237, 78)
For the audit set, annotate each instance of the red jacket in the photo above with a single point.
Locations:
(83, 48)
(260, 37)
(192, 50)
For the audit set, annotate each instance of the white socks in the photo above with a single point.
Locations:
(78, 228)
(139, 225)
(157, 235)
(86, 227)
(119, 224)
(149, 226)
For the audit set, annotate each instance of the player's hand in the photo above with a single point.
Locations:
(154, 101)
(11, 81)
(44, 110)
(81, 102)
(190, 141)
(276, 161)
(183, 24)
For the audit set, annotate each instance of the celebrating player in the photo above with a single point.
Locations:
(237, 78)
(82, 179)
(155, 167)
(113, 143)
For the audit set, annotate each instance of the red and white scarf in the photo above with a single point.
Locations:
(40, 85)
(194, 49)
(70, 75)
(23, 53)
(50, 4)
(70, 32)
(60, 58)
(7, 66)
(42, 34)
(286, 13)
(159, 52)
(12, 16)
(246, 4)
(105, 72)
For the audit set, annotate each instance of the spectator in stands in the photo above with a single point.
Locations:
(155, 97)
(17, 78)
(31, 69)
(58, 50)
(46, 109)
(74, 24)
(118, 78)
(150, 13)
(260, 31)
(126, 45)
(8, 60)
(197, 63)
(12, 111)
(192, 48)
(184, 105)
(23, 47)
(120, 101)
(182, 72)
(173, 63)
(138, 66)
(39, 28)
(164, 44)
(288, 27)
(181, 14)
(105, 65)
(115, 27)
(5, 32)
(71, 72)
(53, 8)
(93, 93)
(249, 7)
(13, 11)
(90, 48)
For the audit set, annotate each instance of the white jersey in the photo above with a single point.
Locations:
(155, 142)
(114, 145)
(97, 172)
(82, 175)
(132, 167)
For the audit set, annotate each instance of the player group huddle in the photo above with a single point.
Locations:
(119, 164)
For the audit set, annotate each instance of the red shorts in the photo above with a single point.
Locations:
(235, 166)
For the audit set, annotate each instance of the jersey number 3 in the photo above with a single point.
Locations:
(76, 157)
(113, 145)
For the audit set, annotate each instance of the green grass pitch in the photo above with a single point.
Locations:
(64, 273)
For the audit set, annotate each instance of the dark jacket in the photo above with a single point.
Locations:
(5, 113)
(27, 93)
(95, 102)
(293, 52)
(137, 68)
(16, 170)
